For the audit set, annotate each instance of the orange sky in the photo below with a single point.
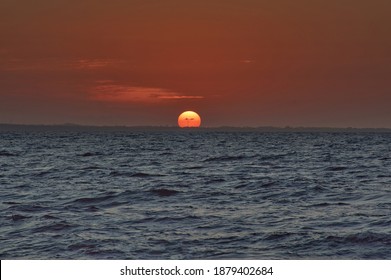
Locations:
(239, 63)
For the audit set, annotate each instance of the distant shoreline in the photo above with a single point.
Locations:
(75, 127)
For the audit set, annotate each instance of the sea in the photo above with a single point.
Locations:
(194, 194)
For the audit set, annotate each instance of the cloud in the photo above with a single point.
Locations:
(180, 97)
(246, 61)
(94, 63)
(109, 92)
(53, 64)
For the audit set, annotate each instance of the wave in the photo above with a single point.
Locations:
(50, 217)
(176, 218)
(133, 174)
(93, 200)
(34, 208)
(90, 154)
(17, 217)
(164, 192)
(4, 153)
(277, 235)
(54, 227)
(225, 158)
(362, 238)
(336, 168)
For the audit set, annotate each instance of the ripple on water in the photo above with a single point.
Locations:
(195, 195)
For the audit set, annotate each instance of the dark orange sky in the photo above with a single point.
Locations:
(239, 63)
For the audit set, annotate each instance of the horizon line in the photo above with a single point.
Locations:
(265, 127)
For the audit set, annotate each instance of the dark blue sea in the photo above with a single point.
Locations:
(194, 194)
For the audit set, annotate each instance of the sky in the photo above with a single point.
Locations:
(236, 63)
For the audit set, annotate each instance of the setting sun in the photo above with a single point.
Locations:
(189, 119)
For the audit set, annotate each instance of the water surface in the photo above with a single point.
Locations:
(194, 195)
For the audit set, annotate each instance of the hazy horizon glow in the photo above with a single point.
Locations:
(237, 63)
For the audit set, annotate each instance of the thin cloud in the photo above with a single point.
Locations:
(58, 64)
(122, 93)
(94, 63)
(180, 97)
(247, 61)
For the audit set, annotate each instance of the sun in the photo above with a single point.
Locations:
(189, 119)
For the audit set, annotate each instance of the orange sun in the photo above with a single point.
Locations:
(189, 119)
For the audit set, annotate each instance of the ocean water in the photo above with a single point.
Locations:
(194, 195)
